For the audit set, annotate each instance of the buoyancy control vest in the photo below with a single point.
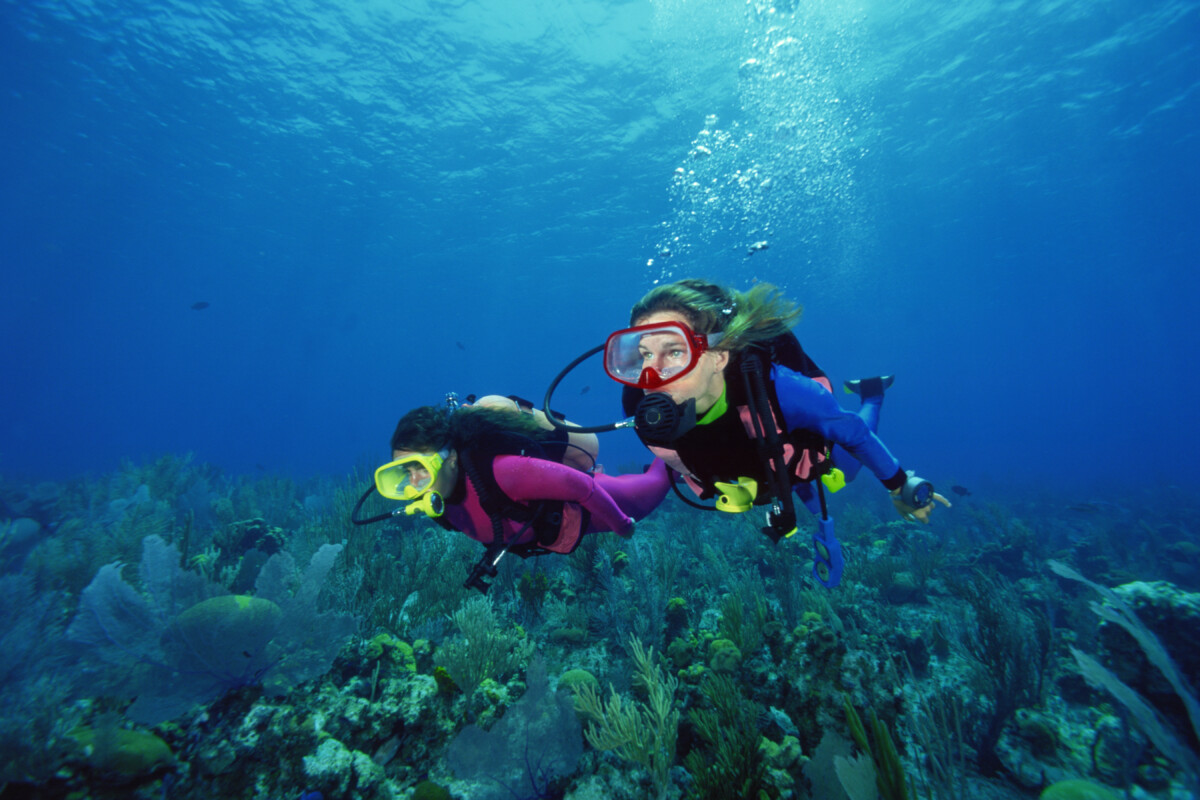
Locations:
(725, 448)
(557, 525)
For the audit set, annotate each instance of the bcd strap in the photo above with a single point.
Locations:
(782, 518)
(545, 518)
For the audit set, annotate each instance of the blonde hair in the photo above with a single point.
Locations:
(746, 318)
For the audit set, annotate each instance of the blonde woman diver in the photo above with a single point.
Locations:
(718, 387)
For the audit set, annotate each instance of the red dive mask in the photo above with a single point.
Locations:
(651, 356)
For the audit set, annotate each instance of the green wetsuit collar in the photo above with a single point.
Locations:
(714, 413)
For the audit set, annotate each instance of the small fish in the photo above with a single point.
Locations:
(1085, 508)
(754, 248)
(200, 305)
(961, 491)
(461, 346)
(584, 390)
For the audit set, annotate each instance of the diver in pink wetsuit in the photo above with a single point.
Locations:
(511, 481)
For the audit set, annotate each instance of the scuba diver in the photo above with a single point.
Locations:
(718, 387)
(501, 474)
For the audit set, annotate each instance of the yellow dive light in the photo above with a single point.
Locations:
(737, 497)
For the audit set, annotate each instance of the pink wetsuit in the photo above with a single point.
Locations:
(614, 501)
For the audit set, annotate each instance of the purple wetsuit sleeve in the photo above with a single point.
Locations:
(638, 495)
(807, 405)
(528, 480)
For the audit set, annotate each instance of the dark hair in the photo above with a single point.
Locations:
(745, 318)
(428, 429)
(423, 430)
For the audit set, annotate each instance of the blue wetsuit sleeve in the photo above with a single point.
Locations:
(807, 405)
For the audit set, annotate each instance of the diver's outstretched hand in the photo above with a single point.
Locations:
(921, 514)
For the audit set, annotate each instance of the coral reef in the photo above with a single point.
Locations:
(173, 631)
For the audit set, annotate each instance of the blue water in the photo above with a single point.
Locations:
(385, 201)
